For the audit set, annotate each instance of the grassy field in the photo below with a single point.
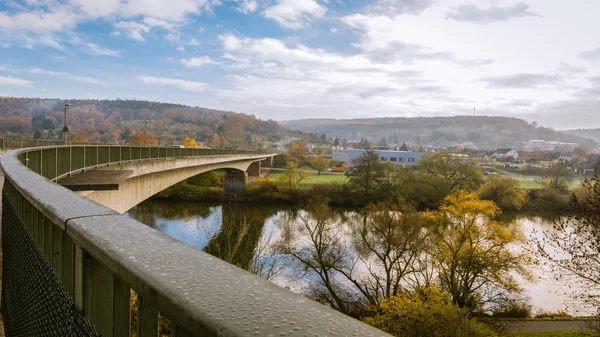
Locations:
(557, 334)
(313, 178)
(529, 183)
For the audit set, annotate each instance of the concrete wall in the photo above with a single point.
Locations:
(151, 177)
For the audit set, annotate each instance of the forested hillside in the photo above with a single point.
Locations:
(589, 133)
(112, 121)
(484, 132)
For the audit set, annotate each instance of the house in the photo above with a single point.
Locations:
(505, 154)
(589, 164)
(543, 158)
(396, 157)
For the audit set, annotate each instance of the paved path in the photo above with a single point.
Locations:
(548, 326)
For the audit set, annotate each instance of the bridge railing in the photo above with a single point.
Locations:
(70, 265)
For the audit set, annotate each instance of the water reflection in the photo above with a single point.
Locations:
(243, 234)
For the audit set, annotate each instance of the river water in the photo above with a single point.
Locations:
(242, 233)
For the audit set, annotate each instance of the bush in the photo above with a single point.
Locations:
(547, 198)
(425, 313)
(512, 309)
(552, 314)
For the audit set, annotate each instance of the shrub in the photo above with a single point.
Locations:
(512, 309)
(552, 314)
(425, 313)
(544, 197)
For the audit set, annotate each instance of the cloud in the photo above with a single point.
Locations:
(522, 80)
(197, 62)
(591, 55)
(97, 50)
(152, 22)
(172, 10)
(247, 6)
(477, 15)
(38, 21)
(180, 48)
(193, 42)
(15, 82)
(132, 29)
(379, 39)
(181, 84)
(67, 76)
(397, 7)
(295, 14)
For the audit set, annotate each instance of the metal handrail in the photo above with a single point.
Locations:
(107, 254)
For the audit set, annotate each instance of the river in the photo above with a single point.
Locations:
(242, 234)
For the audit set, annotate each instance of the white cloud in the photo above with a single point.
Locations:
(591, 55)
(15, 82)
(98, 50)
(247, 6)
(397, 7)
(38, 21)
(333, 30)
(295, 13)
(193, 42)
(196, 62)
(132, 29)
(477, 15)
(152, 22)
(180, 48)
(181, 84)
(67, 76)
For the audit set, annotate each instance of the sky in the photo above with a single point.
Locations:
(292, 59)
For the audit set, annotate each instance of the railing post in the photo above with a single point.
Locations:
(147, 321)
(106, 299)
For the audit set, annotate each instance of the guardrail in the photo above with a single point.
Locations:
(20, 143)
(70, 264)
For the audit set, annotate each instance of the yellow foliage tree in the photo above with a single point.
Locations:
(472, 253)
(190, 143)
(143, 139)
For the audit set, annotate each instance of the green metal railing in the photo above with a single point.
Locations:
(70, 264)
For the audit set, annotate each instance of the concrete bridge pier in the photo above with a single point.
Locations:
(254, 169)
(268, 162)
(235, 181)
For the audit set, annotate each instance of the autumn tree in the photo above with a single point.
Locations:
(320, 163)
(391, 242)
(473, 257)
(298, 152)
(190, 143)
(504, 191)
(572, 247)
(321, 249)
(366, 172)
(290, 180)
(143, 139)
(559, 177)
(458, 172)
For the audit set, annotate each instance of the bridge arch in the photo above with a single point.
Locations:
(70, 263)
(150, 177)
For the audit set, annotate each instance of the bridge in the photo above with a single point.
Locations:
(71, 260)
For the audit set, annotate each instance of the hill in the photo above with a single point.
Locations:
(482, 131)
(588, 133)
(112, 121)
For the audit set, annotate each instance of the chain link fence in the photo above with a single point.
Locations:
(34, 303)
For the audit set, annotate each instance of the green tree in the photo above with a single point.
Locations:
(425, 313)
(320, 163)
(559, 177)
(403, 147)
(290, 180)
(336, 141)
(504, 191)
(366, 173)
(382, 142)
(474, 260)
(459, 172)
(37, 134)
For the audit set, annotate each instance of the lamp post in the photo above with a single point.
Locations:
(65, 129)
(145, 129)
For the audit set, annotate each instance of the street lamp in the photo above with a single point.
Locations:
(145, 129)
(65, 129)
